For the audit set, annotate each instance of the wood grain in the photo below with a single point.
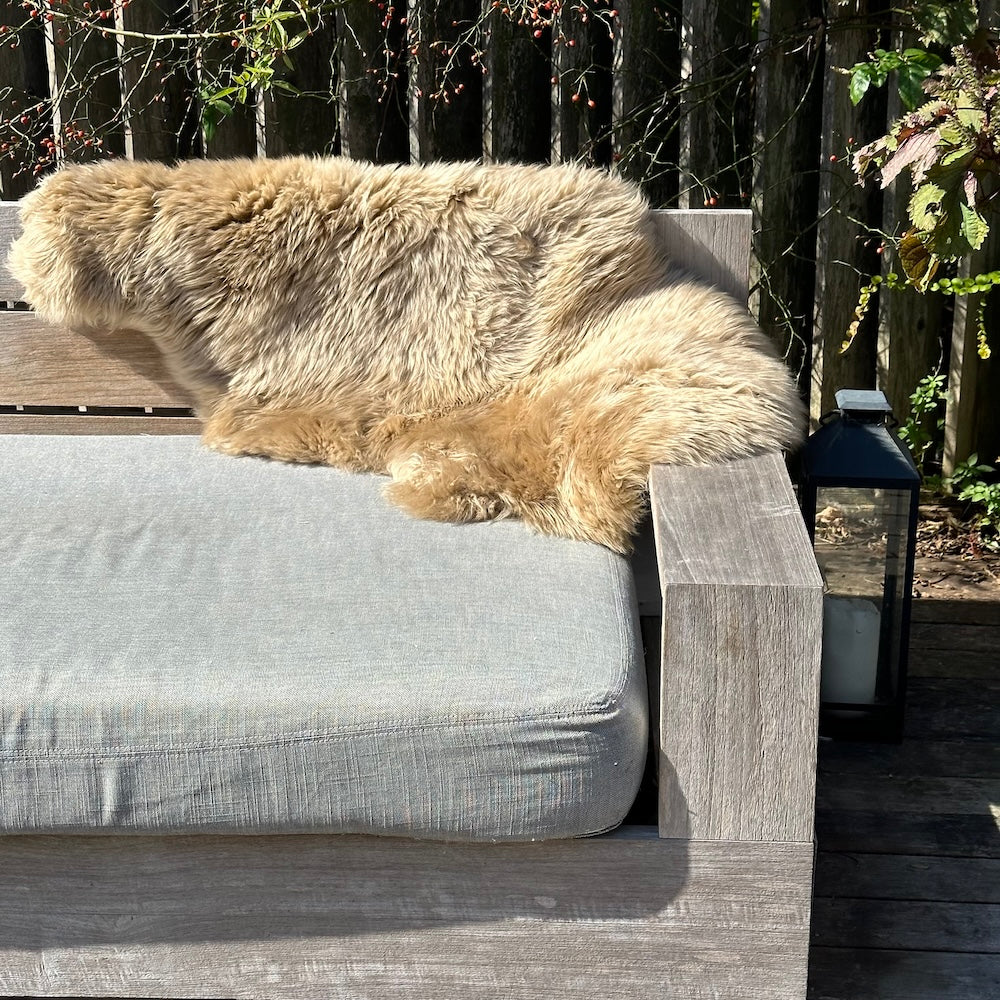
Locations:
(516, 118)
(10, 229)
(844, 257)
(645, 70)
(786, 151)
(849, 974)
(714, 122)
(943, 663)
(715, 245)
(440, 131)
(322, 916)
(949, 611)
(957, 638)
(969, 425)
(373, 121)
(712, 243)
(872, 830)
(161, 121)
(742, 608)
(941, 708)
(42, 365)
(306, 121)
(909, 793)
(907, 877)
(908, 925)
(909, 322)
(87, 423)
(952, 758)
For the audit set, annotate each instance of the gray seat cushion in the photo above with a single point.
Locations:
(191, 642)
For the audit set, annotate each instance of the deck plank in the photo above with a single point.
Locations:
(949, 612)
(930, 758)
(908, 793)
(878, 974)
(907, 891)
(872, 830)
(951, 708)
(954, 637)
(907, 925)
(907, 877)
(946, 663)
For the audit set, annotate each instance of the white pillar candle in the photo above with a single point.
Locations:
(851, 628)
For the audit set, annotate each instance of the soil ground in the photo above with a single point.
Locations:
(951, 561)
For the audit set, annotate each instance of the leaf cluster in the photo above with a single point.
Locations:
(268, 34)
(949, 146)
(925, 423)
(912, 67)
(969, 486)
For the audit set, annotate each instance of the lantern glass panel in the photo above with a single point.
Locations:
(861, 548)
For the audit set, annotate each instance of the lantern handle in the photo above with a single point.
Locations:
(891, 420)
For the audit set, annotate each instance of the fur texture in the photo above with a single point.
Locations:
(503, 340)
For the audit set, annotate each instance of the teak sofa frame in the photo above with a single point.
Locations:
(713, 904)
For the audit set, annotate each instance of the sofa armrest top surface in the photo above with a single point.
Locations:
(733, 523)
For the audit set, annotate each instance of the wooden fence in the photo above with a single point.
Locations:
(704, 102)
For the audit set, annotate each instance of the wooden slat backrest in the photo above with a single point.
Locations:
(43, 366)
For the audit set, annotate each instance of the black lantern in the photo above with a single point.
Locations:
(860, 491)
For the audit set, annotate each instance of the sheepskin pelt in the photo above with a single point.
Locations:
(501, 340)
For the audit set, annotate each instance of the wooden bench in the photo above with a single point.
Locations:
(714, 903)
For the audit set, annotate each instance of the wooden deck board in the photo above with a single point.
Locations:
(907, 891)
(879, 974)
(907, 877)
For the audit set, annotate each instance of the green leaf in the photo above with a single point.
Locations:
(967, 112)
(974, 227)
(959, 156)
(926, 206)
(910, 85)
(861, 80)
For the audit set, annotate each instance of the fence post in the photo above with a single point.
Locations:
(844, 255)
(517, 115)
(715, 132)
(93, 57)
(972, 419)
(581, 94)
(446, 86)
(786, 145)
(306, 122)
(645, 70)
(23, 69)
(373, 83)
(910, 337)
(161, 115)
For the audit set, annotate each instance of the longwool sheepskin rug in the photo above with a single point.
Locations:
(502, 340)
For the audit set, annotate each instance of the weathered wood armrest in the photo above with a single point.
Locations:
(742, 623)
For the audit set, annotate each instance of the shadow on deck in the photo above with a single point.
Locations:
(907, 895)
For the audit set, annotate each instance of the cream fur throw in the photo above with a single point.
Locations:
(502, 341)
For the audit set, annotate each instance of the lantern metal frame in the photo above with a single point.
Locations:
(863, 421)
